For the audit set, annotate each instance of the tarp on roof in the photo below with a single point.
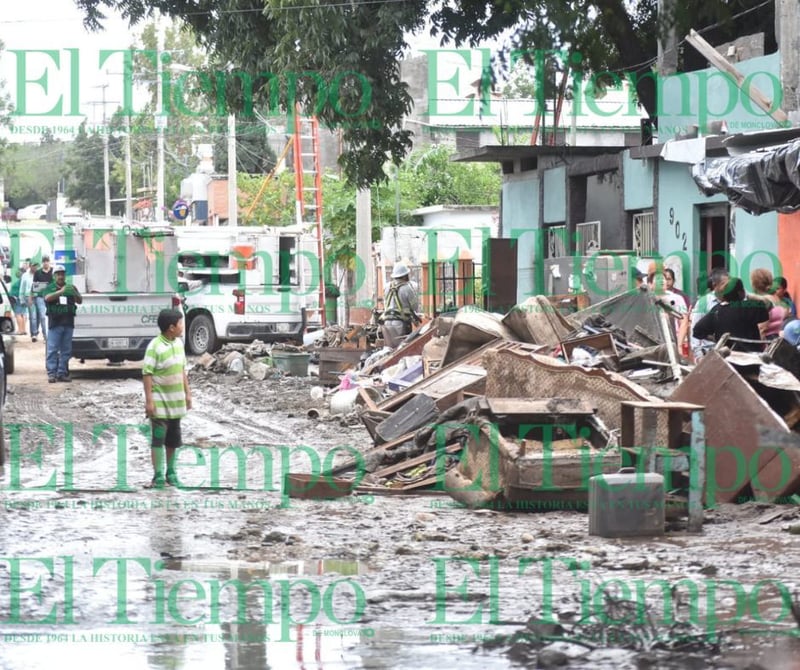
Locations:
(758, 182)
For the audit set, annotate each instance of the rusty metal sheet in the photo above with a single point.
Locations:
(734, 415)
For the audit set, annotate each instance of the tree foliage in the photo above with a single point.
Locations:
(84, 166)
(428, 177)
(33, 171)
(254, 155)
(350, 50)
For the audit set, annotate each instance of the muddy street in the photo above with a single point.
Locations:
(223, 571)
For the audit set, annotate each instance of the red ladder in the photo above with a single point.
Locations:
(308, 210)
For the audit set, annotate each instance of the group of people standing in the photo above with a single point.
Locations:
(748, 319)
(26, 290)
(44, 300)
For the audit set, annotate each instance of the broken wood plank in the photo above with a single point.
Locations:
(745, 84)
(770, 517)
(363, 489)
(388, 446)
(792, 418)
(523, 409)
(368, 401)
(473, 358)
(421, 484)
(412, 348)
(413, 462)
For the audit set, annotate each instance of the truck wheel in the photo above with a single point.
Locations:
(202, 338)
(9, 363)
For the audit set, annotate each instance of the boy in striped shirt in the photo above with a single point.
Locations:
(166, 393)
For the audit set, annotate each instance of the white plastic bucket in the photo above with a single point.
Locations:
(345, 401)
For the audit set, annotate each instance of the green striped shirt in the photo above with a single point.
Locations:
(165, 361)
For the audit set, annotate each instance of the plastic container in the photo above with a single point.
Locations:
(346, 400)
(241, 257)
(626, 504)
(67, 258)
(408, 377)
(331, 306)
(293, 363)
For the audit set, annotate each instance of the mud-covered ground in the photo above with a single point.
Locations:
(224, 572)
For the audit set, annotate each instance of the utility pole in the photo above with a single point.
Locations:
(106, 161)
(128, 172)
(365, 291)
(233, 201)
(787, 29)
(668, 41)
(160, 122)
(106, 181)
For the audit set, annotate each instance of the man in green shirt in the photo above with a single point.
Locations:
(166, 394)
(61, 300)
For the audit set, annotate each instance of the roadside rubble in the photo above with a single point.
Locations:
(536, 399)
(431, 407)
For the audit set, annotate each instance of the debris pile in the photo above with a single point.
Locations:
(255, 360)
(522, 409)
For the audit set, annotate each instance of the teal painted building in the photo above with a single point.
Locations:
(642, 199)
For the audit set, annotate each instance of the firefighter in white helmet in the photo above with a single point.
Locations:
(400, 305)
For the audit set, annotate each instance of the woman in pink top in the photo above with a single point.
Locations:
(763, 285)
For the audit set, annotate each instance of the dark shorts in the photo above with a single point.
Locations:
(166, 433)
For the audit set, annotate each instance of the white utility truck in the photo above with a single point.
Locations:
(127, 274)
(245, 283)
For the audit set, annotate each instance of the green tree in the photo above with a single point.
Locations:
(427, 177)
(33, 171)
(437, 180)
(275, 204)
(84, 171)
(254, 155)
(352, 50)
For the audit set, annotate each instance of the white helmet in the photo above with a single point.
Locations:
(400, 270)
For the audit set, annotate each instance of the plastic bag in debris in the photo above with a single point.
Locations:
(758, 182)
(377, 356)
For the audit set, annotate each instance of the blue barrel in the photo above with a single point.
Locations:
(67, 258)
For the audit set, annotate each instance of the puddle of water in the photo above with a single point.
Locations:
(322, 644)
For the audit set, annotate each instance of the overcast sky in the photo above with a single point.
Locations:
(72, 75)
(56, 25)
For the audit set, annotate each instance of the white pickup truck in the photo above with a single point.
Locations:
(127, 275)
(242, 284)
